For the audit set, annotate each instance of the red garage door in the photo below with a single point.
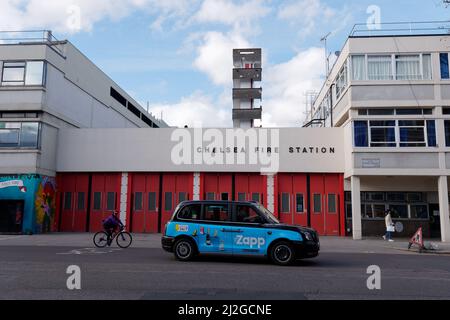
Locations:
(326, 193)
(73, 192)
(104, 198)
(176, 187)
(144, 202)
(251, 187)
(216, 186)
(292, 198)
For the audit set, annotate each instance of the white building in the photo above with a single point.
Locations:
(391, 96)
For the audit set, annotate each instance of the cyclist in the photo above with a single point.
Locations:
(111, 223)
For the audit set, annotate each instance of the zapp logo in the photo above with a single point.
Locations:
(250, 241)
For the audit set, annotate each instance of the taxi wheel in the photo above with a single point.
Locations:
(184, 250)
(282, 253)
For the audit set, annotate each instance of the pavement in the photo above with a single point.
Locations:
(328, 244)
(35, 267)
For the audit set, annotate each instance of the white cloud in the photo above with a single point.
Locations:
(195, 110)
(214, 55)
(285, 85)
(309, 13)
(71, 16)
(240, 16)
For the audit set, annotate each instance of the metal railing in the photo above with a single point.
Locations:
(401, 28)
(30, 37)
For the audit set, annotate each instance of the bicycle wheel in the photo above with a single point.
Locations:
(101, 239)
(124, 239)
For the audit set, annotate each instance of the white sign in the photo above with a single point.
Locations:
(13, 183)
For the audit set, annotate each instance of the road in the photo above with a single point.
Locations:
(39, 272)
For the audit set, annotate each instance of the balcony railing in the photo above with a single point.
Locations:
(30, 37)
(247, 94)
(401, 29)
(251, 74)
(247, 114)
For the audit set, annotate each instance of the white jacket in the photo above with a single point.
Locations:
(388, 220)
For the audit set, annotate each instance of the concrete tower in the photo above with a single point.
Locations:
(246, 73)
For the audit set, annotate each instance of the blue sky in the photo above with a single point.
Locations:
(176, 54)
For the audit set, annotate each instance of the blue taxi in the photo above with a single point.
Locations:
(235, 228)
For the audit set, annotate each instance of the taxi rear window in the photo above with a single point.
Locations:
(190, 212)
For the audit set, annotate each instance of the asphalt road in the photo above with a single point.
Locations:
(39, 272)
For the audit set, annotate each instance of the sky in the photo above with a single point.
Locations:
(176, 55)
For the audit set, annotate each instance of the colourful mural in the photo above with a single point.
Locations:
(28, 203)
(45, 205)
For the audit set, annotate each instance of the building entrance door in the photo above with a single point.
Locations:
(11, 216)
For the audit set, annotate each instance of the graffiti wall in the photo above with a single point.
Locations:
(28, 203)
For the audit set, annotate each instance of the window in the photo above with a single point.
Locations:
(299, 203)
(444, 66)
(137, 201)
(191, 212)
(419, 211)
(255, 197)
(382, 133)
(396, 196)
(35, 73)
(431, 133)
(359, 67)
(412, 133)
(241, 196)
(390, 67)
(118, 97)
(224, 196)
(182, 196)
(380, 112)
(111, 201)
(13, 74)
(447, 132)
(317, 203)
(210, 196)
(374, 196)
(81, 201)
(399, 210)
(9, 136)
(19, 134)
(217, 212)
(97, 200)
(21, 73)
(331, 203)
(408, 67)
(247, 214)
(379, 67)
(285, 203)
(374, 211)
(29, 135)
(152, 201)
(414, 197)
(361, 135)
(341, 81)
(168, 201)
(67, 200)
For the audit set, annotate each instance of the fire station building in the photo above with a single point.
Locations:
(74, 145)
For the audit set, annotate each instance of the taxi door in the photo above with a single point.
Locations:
(214, 234)
(249, 237)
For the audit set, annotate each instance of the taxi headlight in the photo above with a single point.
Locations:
(307, 236)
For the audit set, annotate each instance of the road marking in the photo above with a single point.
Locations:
(88, 251)
(9, 238)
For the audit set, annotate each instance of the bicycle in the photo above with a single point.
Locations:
(123, 239)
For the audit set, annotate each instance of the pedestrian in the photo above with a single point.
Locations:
(389, 226)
